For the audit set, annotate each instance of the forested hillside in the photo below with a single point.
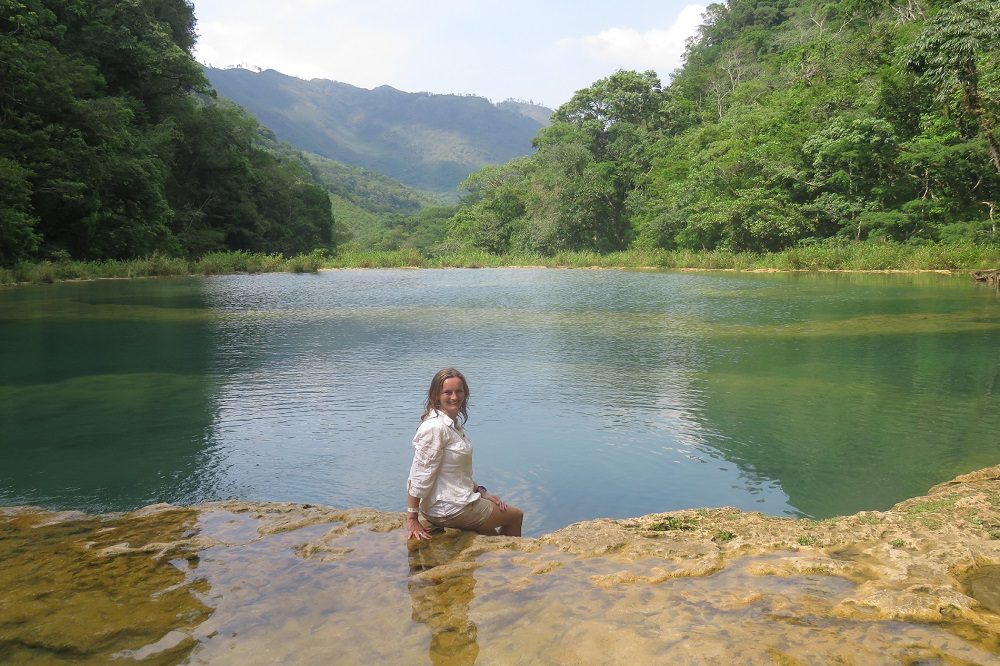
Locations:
(112, 145)
(789, 123)
(374, 212)
(426, 141)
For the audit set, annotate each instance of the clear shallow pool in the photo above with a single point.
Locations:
(594, 393)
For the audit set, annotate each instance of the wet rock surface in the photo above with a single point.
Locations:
(290, 583)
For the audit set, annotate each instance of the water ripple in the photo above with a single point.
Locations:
(594, 393)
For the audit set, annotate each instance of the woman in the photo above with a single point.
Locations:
(440, 486)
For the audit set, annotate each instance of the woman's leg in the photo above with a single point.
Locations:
(508, 521)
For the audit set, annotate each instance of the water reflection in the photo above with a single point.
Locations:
(611, 417)
(595, 393)
(295, 584)
(854, 402)
(441, 591)
(104, 394)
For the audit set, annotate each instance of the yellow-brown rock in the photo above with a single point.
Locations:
(287, 583)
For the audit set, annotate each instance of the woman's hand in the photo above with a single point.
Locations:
(414, 529)
(496, 500)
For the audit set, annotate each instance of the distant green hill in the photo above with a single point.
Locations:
(364, 202)
(427, 141)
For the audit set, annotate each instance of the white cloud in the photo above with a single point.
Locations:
(658, 49)
(325, 47)
(448, 46)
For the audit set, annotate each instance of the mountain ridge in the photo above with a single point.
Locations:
(427, 141)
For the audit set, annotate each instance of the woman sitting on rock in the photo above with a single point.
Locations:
(440, 487)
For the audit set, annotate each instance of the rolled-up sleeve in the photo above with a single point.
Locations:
(428, 450)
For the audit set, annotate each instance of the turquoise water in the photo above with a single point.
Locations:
(594, 393)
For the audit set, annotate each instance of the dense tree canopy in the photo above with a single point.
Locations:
(111, 144)
(789, 123)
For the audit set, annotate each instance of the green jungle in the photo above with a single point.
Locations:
(816, 134)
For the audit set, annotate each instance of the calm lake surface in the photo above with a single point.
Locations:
(594, 393)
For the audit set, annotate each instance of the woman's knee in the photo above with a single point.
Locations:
(512, 522)
(510, 517)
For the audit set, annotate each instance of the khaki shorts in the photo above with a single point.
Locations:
(470, 517)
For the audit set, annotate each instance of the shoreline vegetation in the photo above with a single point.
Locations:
(822, 256)
(796, 136)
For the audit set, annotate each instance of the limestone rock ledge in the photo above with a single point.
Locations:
(289, 583)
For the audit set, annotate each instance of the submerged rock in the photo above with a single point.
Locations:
(289, 583)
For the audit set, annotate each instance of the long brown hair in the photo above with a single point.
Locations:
(434, 392)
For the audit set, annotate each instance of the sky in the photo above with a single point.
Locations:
(537, 50)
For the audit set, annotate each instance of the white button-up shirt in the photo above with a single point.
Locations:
(441, 473)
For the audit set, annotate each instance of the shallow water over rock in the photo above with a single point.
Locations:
(984, 586)
(292, 583)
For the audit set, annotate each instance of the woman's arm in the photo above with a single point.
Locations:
(428, 449)
(414, 530)
(492, 498)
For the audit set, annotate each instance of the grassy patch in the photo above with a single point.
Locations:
(931, 506)
(409, 258)
(827, 255)
(224, 263)
(671, 523)
(991, 528)
(930, 523)
(214, 263)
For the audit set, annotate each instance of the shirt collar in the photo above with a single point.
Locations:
(437, 413)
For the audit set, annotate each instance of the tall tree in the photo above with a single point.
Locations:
(108, 151)
(949, 55)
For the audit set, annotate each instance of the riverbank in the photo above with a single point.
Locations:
(289, 583)
(827, 256)
(216, 263)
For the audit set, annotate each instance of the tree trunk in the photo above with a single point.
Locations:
(970, 90)
(986, 127)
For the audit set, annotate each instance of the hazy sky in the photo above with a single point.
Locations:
(542, 50)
